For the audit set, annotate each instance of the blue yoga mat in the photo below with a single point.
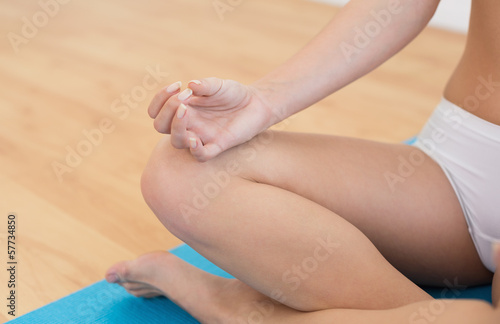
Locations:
(109, 304)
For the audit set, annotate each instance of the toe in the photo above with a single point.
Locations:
(112, 278)
(117, 273)
(131, 286)
(144, 293)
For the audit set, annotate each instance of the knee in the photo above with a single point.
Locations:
(152, 180)
(163, 183)
(179, 189)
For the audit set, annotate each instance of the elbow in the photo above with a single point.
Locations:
(413, 15)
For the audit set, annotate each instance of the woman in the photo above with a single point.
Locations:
(314, 222)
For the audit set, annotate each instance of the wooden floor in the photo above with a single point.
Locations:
(84, 67)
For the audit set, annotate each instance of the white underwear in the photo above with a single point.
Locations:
(468, 150)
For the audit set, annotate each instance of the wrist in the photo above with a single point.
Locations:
(270, 99)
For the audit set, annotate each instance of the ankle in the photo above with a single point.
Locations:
(239, 303)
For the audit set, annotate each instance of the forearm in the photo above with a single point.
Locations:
(363, 35)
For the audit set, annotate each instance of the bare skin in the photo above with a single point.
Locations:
(309, 221)
(481, 58)
(211, 299)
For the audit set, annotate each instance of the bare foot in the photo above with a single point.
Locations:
(208, 298)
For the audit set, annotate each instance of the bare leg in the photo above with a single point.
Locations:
(163, 274)
(268, 213)
(212, 299)
(208, 298)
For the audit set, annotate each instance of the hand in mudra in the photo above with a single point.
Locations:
(210, 116)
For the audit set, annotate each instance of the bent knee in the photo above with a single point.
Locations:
(178, 188)
(161, 163)
(164, 182)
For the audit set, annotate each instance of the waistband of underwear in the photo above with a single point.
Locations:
(459, 117)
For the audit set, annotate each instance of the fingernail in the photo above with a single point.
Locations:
(174, 87)
(185, 94)
(181, 111)
(198, 82)
(192, 142)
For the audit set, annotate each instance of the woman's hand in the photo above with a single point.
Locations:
(210, 116)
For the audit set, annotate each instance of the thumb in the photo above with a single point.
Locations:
(206, 87)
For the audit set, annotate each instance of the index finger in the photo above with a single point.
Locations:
(161, 97)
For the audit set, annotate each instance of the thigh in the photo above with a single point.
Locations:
(396, 195)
